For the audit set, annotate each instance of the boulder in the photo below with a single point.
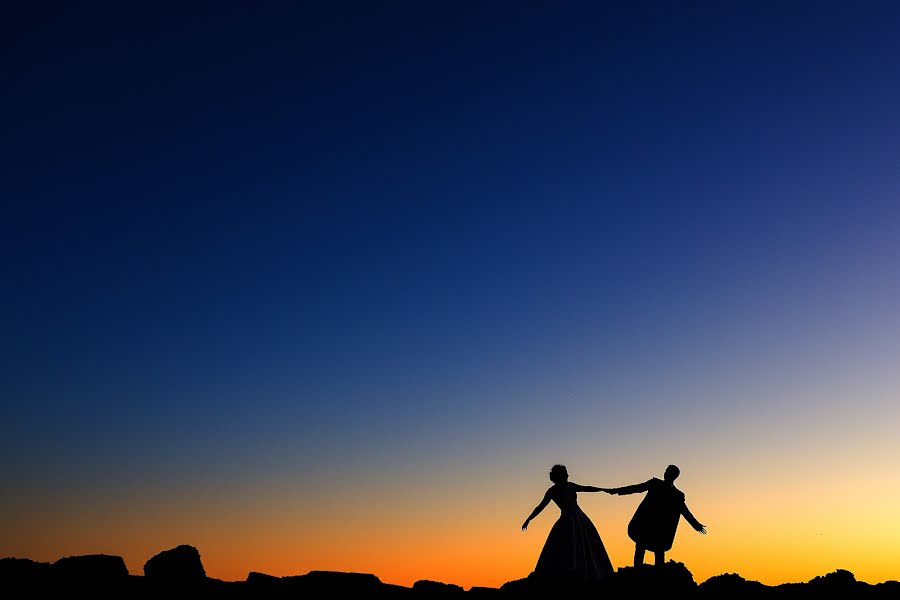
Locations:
(178, 564)
(339, 583)
(22, 569)
(672, 579)
(24, 578)
(91, 567)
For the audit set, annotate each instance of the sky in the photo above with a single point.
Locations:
(331, 286)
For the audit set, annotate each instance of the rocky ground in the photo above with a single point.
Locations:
(179, 573)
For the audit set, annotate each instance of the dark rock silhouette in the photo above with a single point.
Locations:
(178, 564)
(562, 587)
(837, 580)
(93, 575)
(517, 586)
(362, 582)
(23, 569)
(436, 589)
(103, 576)
(731, 585)
(670, 579)
(23, 577)
(481, 592)
(261, 580)
(91, 567)
(322, 584)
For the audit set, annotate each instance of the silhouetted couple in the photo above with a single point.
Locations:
(574, 550)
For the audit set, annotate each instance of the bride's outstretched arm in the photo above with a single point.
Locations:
(590, 488)
(537, 510)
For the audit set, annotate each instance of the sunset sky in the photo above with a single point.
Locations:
(333, 288)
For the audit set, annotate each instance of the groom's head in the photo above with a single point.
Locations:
(672, 473)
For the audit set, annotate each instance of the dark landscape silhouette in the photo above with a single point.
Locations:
(179, 572)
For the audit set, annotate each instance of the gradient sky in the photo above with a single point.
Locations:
(333, 288)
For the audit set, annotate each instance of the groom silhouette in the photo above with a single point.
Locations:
(654, 522)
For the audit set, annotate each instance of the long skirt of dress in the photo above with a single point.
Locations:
(574, 550)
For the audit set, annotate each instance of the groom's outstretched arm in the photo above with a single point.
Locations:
(697, 525)
(631, 489)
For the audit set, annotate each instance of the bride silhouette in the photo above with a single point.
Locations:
(573, 549)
